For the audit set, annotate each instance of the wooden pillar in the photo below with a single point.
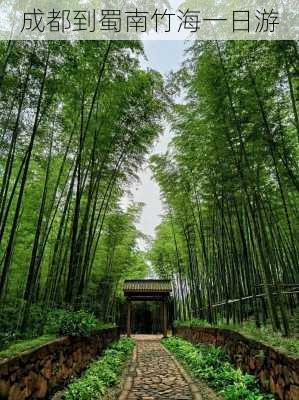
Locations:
(165, 323)
(129, 312)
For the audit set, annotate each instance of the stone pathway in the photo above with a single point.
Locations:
(155, 375)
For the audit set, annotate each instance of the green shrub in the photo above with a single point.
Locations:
(72, 323)
(77, 323)
(211, 364)
(10, 318)
(54, 320)
(46, 323)
(101, 374)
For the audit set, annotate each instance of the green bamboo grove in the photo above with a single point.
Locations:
(229, 181)
(76, 121)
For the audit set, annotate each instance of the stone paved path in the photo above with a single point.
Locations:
(155, 375)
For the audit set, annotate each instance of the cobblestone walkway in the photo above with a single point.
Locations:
(154, 375)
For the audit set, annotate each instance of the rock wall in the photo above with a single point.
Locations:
(276, 371)
(35, 373)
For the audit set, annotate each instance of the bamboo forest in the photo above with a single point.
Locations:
(219, 278)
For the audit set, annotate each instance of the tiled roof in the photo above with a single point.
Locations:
(147, 285)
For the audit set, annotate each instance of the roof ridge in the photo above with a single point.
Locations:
(147, 285)
(148, 280)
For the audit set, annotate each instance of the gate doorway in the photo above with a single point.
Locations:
(147, 305)
(146, 318)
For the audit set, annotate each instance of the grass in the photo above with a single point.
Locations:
(22, 345)
(18, 346)
(101, 374)
(211, 365)
(57, 322)
(265, 334)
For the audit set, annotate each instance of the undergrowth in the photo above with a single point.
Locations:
(265, 333)
(21, 345)
(101, 374)
(211, 364)
(57, 322)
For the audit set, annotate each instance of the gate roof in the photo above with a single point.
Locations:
(147, 289)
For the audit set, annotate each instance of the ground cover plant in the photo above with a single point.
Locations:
(265, 333)
(22, 345)
(57, 322)
(101, 374)
(211, 365)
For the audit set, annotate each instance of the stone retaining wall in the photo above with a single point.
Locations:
(36, 372)
(276, 371)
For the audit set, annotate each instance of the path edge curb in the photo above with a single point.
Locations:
(129, 379)
(193, 388)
